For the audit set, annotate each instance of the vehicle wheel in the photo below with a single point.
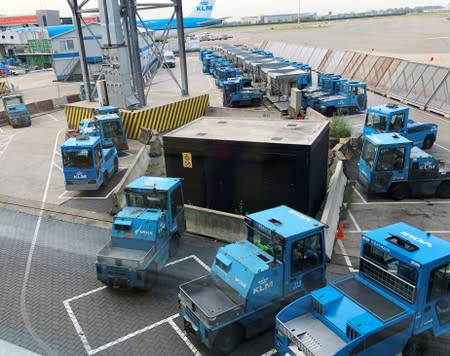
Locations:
(105, 179)
(151, 277)
(255, 102)
(443, 191)
(399, 191)
(228, 338)
(329, 112)
(428, 142)
(116, 165)
(416, 345)
(174, 244)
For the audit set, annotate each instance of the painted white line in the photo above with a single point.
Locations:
(360, 196)
(184, 338)
(23, 293)
(131, 335)
(269, 353)
(346, 258)
(444, 148)
(78, 328)
(83, 338)
(84, 294)
(418, 202)
(354, 221)
(58, 153)
(52, 117)
(6, 144)
(1, 130)
(201, 263)
(58, 166)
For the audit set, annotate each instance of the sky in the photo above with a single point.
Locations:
(232, 8)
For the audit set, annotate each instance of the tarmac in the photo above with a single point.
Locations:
(51, 302)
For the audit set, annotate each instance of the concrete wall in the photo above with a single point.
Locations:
(216, 224)
(136, 169)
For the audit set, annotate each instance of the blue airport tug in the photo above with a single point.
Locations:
(282, 258)
(400, 292)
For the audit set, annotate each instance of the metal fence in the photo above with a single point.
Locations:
(425, 86)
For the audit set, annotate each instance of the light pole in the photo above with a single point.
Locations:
(298, 13)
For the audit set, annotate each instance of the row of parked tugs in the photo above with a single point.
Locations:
(400, 292)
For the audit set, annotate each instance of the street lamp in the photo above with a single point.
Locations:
(298, 13)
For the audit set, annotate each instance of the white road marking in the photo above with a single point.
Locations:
(5, 143)
(52, 117)
(23, 294)
(184, 338)
(354, 221)
(360, 195)
(77, 327)
(58, 166)
(438, 38)
(346, 258)
(418, 202)
(84, 340)
(269, 353)
(131, 335)
(444, 148)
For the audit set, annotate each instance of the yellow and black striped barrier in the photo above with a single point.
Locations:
(165, 117)
(160, 118)
(75, 113)
(3, 86)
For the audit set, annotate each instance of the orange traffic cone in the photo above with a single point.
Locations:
(340, 232)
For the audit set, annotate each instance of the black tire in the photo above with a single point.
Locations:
(330, 111)
(174, 244)
(399, 191)
(228, 338)
(151, 277)
(428, 142)
(105, 179)
(255, 102)
(443, 191)
(417, 345)
(116, 165)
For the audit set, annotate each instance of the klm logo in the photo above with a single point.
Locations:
(204, 6)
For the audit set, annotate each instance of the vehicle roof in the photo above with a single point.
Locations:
(108, 116)
(292, 224)
(81, 141)
(387, 138)
(430, 247)
(248, 129)
(6, 97)
(158, 183)
(384, 108)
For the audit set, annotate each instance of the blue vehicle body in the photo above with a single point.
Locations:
(86, 164)
(401, 291)
(16, 111)
(390, 163)
(107, 124)
(225, 73)
(394, 118)
(329, 86)
(143, 234)
(207, 61)
(351, 98)
(216, 63)
(235, 94)
(282, 257)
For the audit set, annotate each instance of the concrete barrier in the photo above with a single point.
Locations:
(216, 224)
(137, 169)
(331, 212)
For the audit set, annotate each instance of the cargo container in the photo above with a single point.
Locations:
(245, 165)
